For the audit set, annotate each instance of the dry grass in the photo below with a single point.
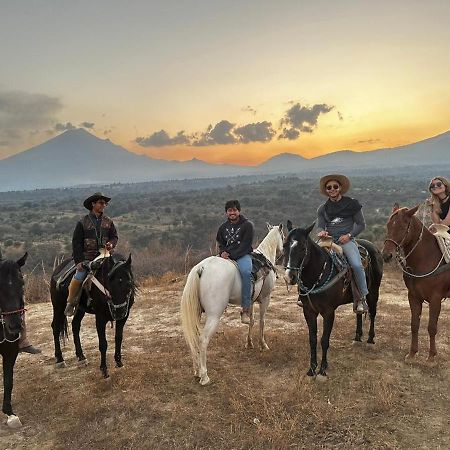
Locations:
(257, 400)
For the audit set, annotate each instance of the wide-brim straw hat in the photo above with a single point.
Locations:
(93, 198)
(341, 179)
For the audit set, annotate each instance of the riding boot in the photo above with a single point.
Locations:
(74, 296)
(245, 316)
(361, 306)
(25, 345)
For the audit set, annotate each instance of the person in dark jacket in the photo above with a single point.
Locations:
(94, 232)
(235, 237)
(341, 218)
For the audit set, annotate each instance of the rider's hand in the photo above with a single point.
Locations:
(225, 255)
(344, 239)
(80, 267)
(108, 246)
(322, 233)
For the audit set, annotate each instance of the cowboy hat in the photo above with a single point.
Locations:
(341, 179)
(93, 198)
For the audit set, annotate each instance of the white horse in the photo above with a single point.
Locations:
(211, 285)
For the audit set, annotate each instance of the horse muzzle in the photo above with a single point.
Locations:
(290, 277)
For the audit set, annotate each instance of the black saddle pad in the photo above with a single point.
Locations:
(261, 266)
(64, 276)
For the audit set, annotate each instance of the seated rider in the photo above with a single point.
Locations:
(439, 200)
(342, 218)
(235, 237)
(93, 232)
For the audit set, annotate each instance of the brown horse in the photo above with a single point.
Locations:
(424, 271)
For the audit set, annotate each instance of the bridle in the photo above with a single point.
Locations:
(3, 327)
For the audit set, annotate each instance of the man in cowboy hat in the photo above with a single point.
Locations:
(92, 233)
(342, 219)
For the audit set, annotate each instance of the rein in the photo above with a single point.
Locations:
(3, 328)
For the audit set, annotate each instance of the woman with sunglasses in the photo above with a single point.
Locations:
(439, 200)
(342, 218)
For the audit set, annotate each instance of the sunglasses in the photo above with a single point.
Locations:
(102, 202)
(332, 186)
(436, 185)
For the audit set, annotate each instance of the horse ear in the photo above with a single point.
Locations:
(128, 263)
(280, 227)
(310, 228)
(21, 261)
(412, 211)
(395, 207)
(269, 227)
(289, 225)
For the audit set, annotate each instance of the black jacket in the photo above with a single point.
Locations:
(236, 238)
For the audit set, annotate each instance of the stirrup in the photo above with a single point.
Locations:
(70, 310)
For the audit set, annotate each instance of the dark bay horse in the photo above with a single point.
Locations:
(11, 310)
(312, 267)
(112, 304)
(425, 273)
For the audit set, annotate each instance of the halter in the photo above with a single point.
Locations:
(2, 322)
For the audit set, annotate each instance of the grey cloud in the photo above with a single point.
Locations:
(302, 119)
(221, 133)
(249, 109)
(21, 111)
(64, 126)
(162, 138)
(87, 125)
(255, 132)
(289, 133)
(340, 116)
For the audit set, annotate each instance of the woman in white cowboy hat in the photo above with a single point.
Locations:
(92, 233)
(342, 218)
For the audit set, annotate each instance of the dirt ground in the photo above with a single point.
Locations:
(372, 399)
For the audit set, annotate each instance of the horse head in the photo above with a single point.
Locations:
(11, 295)
(398, 230)
(296, 252)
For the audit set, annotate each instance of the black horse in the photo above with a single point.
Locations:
(11, 310)
(110, 299)
(322, 290)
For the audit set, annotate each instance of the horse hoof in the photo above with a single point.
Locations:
(249, 345)
(410, 357)
(356, 341)
(119, 364)
(322, 378)
(60, 365)
(83, 362)
(370, 341)
(13, 421)
(431, 361)
(205, 381)
(311, 373)
(264, 347)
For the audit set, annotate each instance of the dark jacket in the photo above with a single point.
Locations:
(91, 234)
(236, 238)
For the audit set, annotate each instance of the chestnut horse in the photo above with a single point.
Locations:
(424, 271)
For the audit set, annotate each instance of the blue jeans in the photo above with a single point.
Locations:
(245, 269)
(352, 254)
(80, 275)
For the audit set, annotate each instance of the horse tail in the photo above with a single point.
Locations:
(191, 309)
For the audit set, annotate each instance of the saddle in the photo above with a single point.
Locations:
(440, 232)
(328, 244)
(261, 266)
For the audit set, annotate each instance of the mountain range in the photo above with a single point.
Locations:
(77, 157)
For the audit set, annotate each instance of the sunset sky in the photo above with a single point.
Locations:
(225, 81)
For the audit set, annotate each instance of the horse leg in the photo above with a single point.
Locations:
(76, 326)
(58, 327)
(359, 330)
(249, 343)
(9, 359)
(434, 311)
(328, 321)
(311, 320)
(210, 327)
(416, 311)
(262, 321)
(372, 301)
(118, 342)
(102, 344)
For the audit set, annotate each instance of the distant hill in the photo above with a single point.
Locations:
(77, 157)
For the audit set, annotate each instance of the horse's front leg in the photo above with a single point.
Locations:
(262, 321)
(372, 301)
(249, 343)
(210, 327)
(118, 342)
(416, 310)
(76, 326)
(102, 344)
(58, 327)
(359, 329)
(435, 309)
(311, 320)
(328, 321)
(9, 359)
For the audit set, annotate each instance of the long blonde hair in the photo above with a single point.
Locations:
(434, 199)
